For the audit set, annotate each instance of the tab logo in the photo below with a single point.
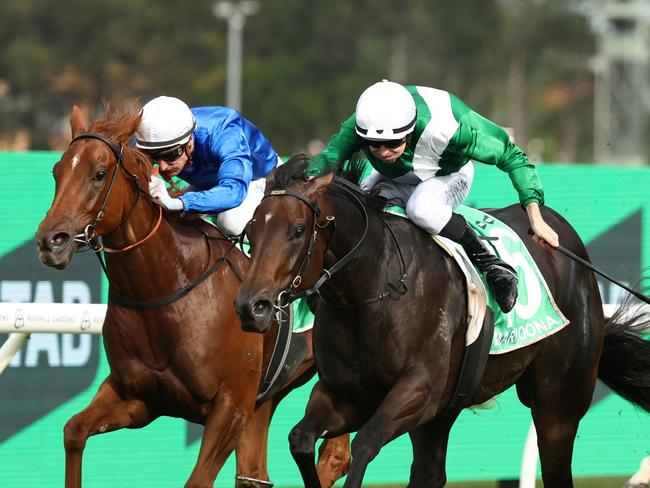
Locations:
(56, 366)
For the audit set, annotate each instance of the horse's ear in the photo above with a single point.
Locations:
(128, 128)
(319, 186)
(270, 180)
(77, 121)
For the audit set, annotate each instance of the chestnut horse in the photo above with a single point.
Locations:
(390, 329)
(171, 335)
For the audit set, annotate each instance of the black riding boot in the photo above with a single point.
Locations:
(501, 277)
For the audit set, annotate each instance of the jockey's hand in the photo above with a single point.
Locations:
(158, 191)
(543, 234)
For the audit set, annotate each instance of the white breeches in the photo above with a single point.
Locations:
(429, 203)
(234, 220)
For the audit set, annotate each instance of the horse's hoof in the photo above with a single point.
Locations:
(244, 482)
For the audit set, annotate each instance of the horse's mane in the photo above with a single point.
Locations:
(293, 170)
(119, 124)
(350, 171)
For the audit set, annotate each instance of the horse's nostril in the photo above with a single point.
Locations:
(261, 308)
(60, 239)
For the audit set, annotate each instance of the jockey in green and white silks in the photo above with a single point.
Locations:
(422, 143)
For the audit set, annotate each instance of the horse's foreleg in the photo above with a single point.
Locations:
(251, 451)
(399, 412)
(107, 411)
(223, 428)
(333, 460)
(325, 415)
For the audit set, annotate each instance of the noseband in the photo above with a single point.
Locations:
(287, 296)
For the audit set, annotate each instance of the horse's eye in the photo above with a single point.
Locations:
(100, 175)
(299, 232)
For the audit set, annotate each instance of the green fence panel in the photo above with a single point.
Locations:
(607, 206)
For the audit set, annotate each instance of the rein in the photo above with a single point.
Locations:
(141, 241)
(90, 237)
(177, 295)
(286, 296)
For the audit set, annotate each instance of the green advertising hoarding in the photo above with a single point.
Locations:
(56, 375)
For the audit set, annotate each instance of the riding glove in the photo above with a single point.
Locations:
(158, 191)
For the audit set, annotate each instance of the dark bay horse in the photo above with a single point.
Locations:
(388, 351)
(180, 350)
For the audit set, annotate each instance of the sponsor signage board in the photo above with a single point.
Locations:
(55, 375)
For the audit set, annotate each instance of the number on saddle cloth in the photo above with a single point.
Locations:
(535, 316)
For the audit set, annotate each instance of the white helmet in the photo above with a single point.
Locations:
(166, 122)
(385, 111)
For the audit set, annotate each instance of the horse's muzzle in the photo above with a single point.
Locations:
(255, 313)
(55, 247)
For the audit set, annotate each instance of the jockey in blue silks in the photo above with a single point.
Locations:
(222, 155)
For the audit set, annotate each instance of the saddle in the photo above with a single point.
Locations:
(480, 330)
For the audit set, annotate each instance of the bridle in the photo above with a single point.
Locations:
(89, 237)
(288, 295)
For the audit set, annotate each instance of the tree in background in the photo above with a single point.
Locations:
(55, 54)
(520, 62)
(548, 47)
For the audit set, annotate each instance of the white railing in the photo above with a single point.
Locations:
(21, 319)
(73, 318)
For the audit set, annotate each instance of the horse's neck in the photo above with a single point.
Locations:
(138, 217)
(171, 254)
(371, 259)
(384, 256)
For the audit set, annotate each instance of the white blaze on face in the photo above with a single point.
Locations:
(268, 217)
(75, 161)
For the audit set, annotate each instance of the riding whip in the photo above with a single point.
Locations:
(586, 263)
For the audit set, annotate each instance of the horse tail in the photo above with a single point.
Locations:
(625, 361)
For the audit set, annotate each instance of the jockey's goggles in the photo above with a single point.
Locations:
(168, 155)
(390, 144)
